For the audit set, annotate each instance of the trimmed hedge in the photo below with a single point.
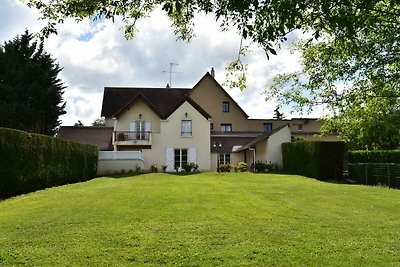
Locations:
(30, 162)
(315, 159)
(374, 156)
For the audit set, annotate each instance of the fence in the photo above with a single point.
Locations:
(387, 174)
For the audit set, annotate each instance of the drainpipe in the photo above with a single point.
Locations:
(114, 133)
(254, 158)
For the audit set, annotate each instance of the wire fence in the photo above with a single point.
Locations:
(386, 174)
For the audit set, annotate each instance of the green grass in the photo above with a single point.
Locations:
(202, 220)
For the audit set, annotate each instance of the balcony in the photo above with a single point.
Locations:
(132, 138)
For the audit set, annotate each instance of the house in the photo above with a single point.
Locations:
(177, 126)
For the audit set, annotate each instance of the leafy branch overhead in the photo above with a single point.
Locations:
(265, 23)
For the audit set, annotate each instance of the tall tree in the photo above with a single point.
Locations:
(357, 80)
(30, 92)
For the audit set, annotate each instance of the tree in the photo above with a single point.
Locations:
(277, 114)
(356, 80)
(30, 92)
(99, 122)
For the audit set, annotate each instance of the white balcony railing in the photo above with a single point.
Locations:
(130, 155)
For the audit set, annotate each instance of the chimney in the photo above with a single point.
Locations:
(213, 72)
(167, 85)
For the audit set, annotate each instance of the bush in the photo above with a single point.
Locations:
(316, 159)
(30, 162)
(225, 167)
(164, 168)
(374, 156)
(241, 167)
(153, 168)
(260, 166)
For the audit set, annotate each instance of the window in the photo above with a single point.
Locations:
(140, 130)
(180, 157)
(186, 128)
(211, 126)
(226, 127)
(300, 127)
(224, 159)
(225, 106)
(267, 127)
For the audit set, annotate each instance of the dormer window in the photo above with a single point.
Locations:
(225, 106)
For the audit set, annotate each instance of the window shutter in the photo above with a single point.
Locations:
(169, 159)
(192, 155)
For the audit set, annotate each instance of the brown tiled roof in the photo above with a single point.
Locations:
(99, 136)
(161, 100)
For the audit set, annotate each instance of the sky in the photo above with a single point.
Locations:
(96, 55)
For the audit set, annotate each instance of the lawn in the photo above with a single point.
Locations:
(202, 220)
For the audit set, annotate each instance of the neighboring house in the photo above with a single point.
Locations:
(174, 126)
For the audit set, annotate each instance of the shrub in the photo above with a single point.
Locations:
(195, 167)
(30, 162)
(266, 166)
(374, 156)
(164, 168)
(316, 159)
(153, 168)
(187, 167)
(241, 167)
(225, 167)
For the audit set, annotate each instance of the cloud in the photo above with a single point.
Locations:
(96, 54)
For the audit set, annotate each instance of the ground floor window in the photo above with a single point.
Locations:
(180, 157)
(224, 158)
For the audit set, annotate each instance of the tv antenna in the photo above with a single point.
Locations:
(171, 65)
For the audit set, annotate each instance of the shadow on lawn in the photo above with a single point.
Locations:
(131, 174)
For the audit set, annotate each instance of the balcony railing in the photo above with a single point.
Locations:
(131, 136)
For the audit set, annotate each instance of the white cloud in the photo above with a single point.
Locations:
(95, 54)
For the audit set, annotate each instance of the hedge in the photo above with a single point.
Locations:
(375, 167)
(315, 159)
(374, 156)
(30, 162)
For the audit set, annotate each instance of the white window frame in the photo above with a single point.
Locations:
(186, 128)
(226, 127)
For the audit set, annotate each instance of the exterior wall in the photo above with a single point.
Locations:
(112, 166)
(210, 96)
(170, 137)
(138, 107)
(274, 147)
(235, 159)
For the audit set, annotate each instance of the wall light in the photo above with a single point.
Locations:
(186, 114)
(140, 116)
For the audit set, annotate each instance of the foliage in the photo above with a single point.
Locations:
(266, 23)
(154, 168)
(375, 156)
(99, 122)
(225, 167)
(260, 166)
(30, 92)
(164, 168)
(188, 167)
(154, 220)
(78, 124)
(30, 162)
(277, 114)
(315, 159)
(241, 167)
(356, 80)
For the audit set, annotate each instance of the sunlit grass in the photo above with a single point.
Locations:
(202, 220)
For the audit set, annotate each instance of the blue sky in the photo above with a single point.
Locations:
(95, 55)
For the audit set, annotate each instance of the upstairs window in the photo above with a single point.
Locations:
(300, 127)
(186, 128)
(225, 106)
(226, 127)
(267, 127)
